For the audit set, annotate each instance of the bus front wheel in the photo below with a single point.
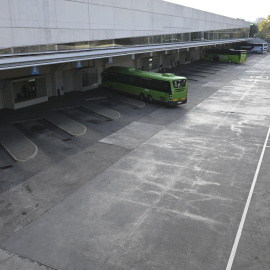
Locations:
(142, 97)
(230, 60)
(149, 99)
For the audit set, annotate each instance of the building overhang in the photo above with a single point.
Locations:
(50, 58)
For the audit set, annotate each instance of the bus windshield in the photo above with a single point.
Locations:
(179, 83)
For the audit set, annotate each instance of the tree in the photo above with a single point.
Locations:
(254, 29)
(264, 28)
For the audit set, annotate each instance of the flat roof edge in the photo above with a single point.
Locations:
(65, 57)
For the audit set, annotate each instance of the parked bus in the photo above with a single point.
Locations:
(254, 47)
(231, 56)
(166, 87)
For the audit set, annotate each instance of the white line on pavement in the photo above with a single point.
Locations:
(240, 229)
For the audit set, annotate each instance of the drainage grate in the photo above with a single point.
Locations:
(6, 167)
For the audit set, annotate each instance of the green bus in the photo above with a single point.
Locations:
(163, 87)
(230, 56)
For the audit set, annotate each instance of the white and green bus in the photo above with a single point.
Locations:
(166, 88)
(230, 56)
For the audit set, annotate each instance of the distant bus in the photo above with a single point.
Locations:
(166, 88)
(230, 56)
(254, 47)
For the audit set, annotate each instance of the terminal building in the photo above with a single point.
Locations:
(48, 48)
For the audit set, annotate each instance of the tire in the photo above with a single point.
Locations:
(142, 97)
(149, 99)
(185, 101)
(230, 60)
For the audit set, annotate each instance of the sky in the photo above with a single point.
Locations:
(246, 10)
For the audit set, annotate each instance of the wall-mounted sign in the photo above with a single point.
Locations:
(79, 64)
(34, 70)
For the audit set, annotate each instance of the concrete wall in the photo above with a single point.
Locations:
(36, 22)
(7, 95)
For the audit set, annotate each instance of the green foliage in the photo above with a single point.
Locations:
(264, 28)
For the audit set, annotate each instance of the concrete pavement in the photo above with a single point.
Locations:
(173, 202)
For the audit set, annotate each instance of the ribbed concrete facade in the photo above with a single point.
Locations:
(39, 22)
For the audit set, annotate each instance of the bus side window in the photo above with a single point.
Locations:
(149, 83)
(119, 78)
(131, 79)
(167, 87)
(145, 82)
(155, 85)
(123, 78)
(163, 86)
(137, 81)
(113, 77)
(127, 79)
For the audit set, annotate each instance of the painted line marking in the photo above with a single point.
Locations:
(95, 98)
(259, 77)
(241, 225)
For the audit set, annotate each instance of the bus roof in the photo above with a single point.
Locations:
(225, 51)
(146, 74)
